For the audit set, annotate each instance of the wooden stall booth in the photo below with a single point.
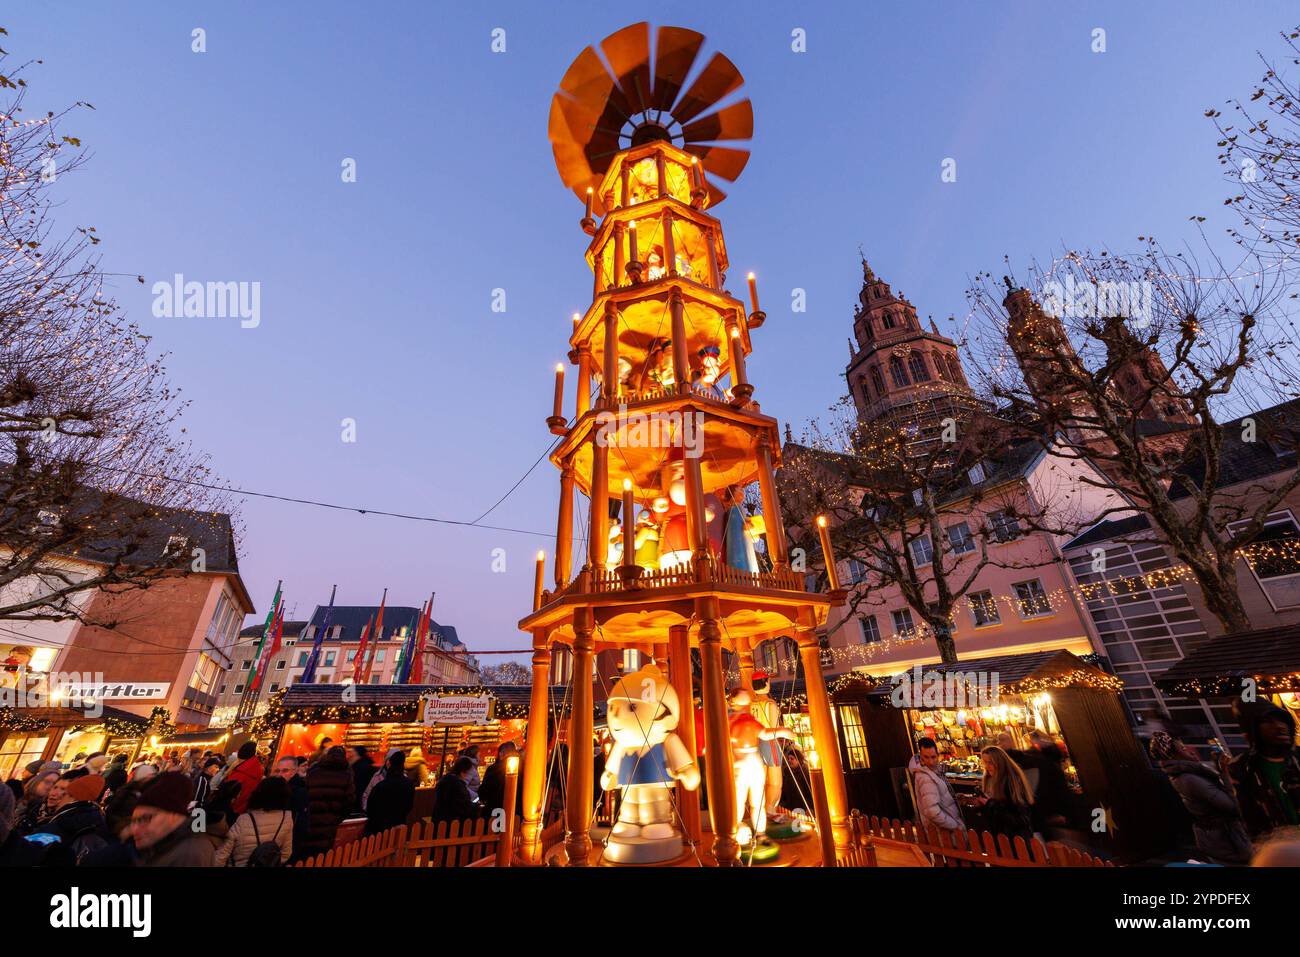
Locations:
(1074, 701)
(381, 717)
(1264, 662)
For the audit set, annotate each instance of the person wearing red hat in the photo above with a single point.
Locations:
(161, 827)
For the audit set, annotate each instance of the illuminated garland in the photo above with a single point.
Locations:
(13, 721)
(277, 715)
(1231, 686)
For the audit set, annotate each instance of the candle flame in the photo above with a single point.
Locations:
(750, 276)
(814, 762)
(541, 556)
(821, 520)
(627, 485)
(559, 367)
(512, 762)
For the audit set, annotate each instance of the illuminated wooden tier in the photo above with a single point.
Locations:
(665, 438)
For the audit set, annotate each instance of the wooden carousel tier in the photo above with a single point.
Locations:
(639, 436)
(643, 318)
(803, 851)
(749, 605)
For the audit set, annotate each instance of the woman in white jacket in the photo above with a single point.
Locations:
(268, 820)
(936, 803)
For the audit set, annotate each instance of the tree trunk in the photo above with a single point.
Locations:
(947, 647)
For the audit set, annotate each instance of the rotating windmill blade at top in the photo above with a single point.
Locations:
(597, 113)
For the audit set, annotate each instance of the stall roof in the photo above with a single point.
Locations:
(1018, 674)
(1269, 656)
(194, 737)
(315, 695)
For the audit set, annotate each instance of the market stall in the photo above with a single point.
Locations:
(430, 722)
(1266, 662)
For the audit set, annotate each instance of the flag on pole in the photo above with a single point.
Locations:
(375, 637)
(309, 673)
(277, 632)
(408, 649)
(358, 663)
(417, 665)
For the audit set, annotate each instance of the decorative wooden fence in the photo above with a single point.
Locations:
(425, 844)
(873, 837)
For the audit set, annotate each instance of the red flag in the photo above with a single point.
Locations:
(417, 666)
(376, 636)
(358, 663)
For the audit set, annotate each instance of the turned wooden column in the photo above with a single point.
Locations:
(609, 391)
(530, 850)
(584, 380)
(564, 528)
(715, 274)
(824, 736)
(670, 251)
(679, 673)
(681, 358)
(717, 737)
(772, 520)
(598, 544)
(745, 652)
(620, 257)
(579, 793)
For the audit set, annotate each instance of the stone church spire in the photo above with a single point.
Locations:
(899, 371)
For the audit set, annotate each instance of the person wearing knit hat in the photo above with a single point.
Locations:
(78, 822)
(88, 787)
(161, 827)
(1221, 836)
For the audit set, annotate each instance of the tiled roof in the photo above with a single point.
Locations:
(1110, 529)
(1271, 656)
(1241, 461)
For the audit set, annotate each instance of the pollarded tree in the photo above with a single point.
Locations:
(96, 492)
(1139, 363)
(915, 504)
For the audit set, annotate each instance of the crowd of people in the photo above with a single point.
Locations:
(1243, 810)
(202, 808)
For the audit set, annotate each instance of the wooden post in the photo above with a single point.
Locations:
(609, 392)
(717, 737)
(824, 736)
(681, 358)
(530, 850)
(772, 521)
(584, 380)
(825, 830)
(577, 811)
(506, 846)
(620, 260)
(564, 527)
(745, 652)
(598, 545)
(679, 673)
(670, 251)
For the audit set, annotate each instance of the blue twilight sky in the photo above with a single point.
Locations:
(376, 296)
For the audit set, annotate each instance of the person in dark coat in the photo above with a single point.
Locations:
(1267, 775)
(115, 775)
(363, 769)
(78, 822)
(331, 793)
(286, 769)
(1216, 820)
(392, 798)
(1055, 805)
(1007, 799)
(492, 790)
(451, 798)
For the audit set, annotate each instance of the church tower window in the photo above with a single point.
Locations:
(887, 320)
(916, 363)
(877, 380)
(896, 372)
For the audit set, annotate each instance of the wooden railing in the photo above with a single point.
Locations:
(609, 580)
(922, 845)
(425, 844)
